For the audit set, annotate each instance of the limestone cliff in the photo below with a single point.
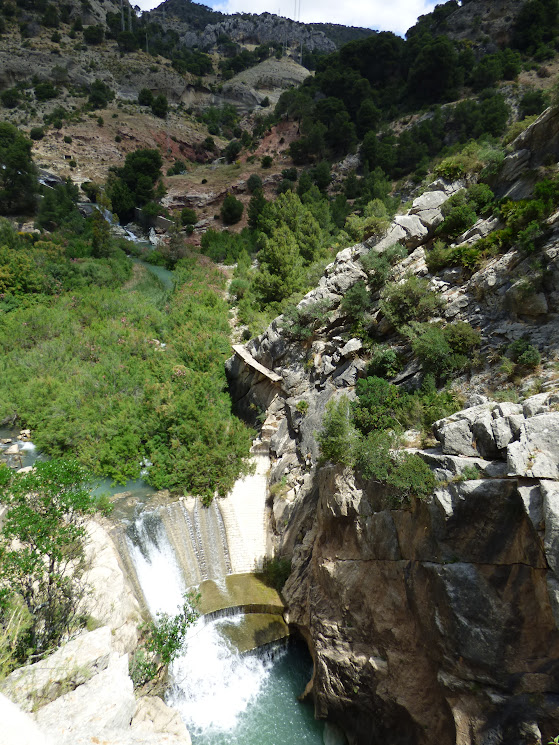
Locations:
(435, 621)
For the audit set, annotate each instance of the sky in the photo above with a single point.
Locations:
(382, 15)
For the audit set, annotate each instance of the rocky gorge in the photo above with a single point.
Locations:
(433, 621)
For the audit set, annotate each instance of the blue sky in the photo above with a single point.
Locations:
(384, 15)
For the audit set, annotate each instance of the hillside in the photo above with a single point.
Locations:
(200, 25)
(375, 234)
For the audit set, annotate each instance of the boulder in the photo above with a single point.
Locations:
(415, 230)
(101, 708)
(153, 716)
(18, 728)
(71, 665)
(536, 453)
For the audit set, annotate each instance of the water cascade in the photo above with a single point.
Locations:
(226, 690)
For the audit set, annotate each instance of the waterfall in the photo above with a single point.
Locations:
(225, 692)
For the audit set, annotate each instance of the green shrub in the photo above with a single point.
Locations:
(385, 362)
(444, 351)
(338, 438)
(302, 321)
(411, 300)
(10, 98)
(275, 572)
(93, 34)
(37, 133)
(254, 182)
(145, 97)
(524, 354)
(377, 266)
(403, 475)
(45, 91)
(231, 210)
(376, 406)
(267, 161)
(160, 106)
(188, 216)
(356, 301)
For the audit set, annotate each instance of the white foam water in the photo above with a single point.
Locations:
(214, 685)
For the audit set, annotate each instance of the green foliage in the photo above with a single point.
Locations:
(100, 94)
(217, 118)
(41, 547)
(163, 640)
(18, 182)
(133, 184)
(275, 572)
(231, 210)
(93, 35)
(177, 168)
(10, 98)
(302, 321)
(57, 206)
(524, 354)
(36, 133)
(385, 362)
(188, 216)
(254, 182)
(376, 406)
(377, 266)
(81, 368)
(338, 437)
(45, 91)
(356, 301)
(267, 161)
(160, 106)
(533, 102)
(407, 301)
(222, 246)
(232, 150)
(444, 351)
(145, 97)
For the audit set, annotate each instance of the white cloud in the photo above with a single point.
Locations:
(384, 15)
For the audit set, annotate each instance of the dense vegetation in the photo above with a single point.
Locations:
(85, 370)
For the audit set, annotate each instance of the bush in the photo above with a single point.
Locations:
(232, 150)
(93, 34)
(160, 106)
(37, 133)
(10, 98)
(411, 300)
(41, 544)
(231, 210)
(301, 322)
(254, 182)
(45, 91)
(145, 97)
(267, 161)
(524, 354)
(163, 640)
(188, 216)
(356, 301)
(338, 438)
(385, 362)
(100, 94)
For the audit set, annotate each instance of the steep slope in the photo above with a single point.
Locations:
(430, 620)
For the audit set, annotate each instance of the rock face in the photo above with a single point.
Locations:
(436, 622)
(428, 622)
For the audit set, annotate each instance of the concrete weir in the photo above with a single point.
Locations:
(214, 550)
